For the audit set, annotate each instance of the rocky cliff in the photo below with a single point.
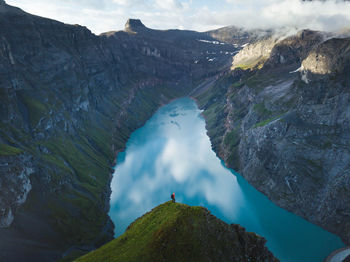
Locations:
(330, 57)
(69, 101)
(177, 232)
(285, 126)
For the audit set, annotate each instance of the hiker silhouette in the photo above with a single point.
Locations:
(173, 197)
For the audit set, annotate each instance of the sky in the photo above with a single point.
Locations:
(201, 15)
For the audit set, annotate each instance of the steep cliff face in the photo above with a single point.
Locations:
(69, 101)
(255, 54)
(330, 57)
(177, 232)
(290, 137)
(278, 49)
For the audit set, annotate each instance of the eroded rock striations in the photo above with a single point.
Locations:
(286, 130)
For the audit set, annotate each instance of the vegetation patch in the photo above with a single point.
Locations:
(267, 121)
(36, 109)
(232, 138)
(262, 110)
(257, 63)
(231, 142)
(237, 84)
(7, 150)
(244, 66)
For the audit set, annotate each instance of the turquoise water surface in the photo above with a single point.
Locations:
(172, 153)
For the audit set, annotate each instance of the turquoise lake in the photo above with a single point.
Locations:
(172, 153)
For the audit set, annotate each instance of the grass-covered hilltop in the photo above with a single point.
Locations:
(178, 232)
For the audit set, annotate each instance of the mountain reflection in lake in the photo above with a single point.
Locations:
(172, 153)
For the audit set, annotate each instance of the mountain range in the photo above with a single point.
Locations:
(276, 109)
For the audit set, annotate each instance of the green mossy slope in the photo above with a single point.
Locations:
(178, 232)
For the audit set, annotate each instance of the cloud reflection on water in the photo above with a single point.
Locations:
(171, 159)
(172, 153)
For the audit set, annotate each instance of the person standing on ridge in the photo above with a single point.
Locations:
(173, 197)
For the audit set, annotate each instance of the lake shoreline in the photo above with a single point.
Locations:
(172, 153)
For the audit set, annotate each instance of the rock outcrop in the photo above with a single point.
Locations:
(330, 57)
(254, 54)
(134, 25)
(278, 49)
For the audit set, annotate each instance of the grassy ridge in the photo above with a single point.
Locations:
(144, 234)
(178, 232)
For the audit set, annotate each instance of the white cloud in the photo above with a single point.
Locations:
(172, 5)
(131, 3)
(106, 15)
(328, 15)
(123, 2)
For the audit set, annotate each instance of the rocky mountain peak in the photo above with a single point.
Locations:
(133, 25)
